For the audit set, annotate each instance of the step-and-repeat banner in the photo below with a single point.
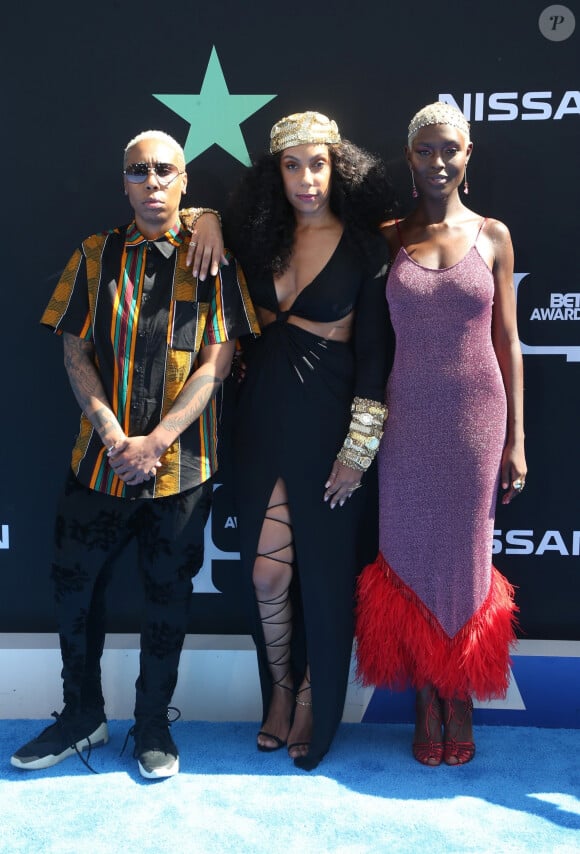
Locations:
(82, 81)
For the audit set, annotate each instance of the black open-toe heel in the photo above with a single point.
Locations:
(280, 743)
(305, 704)
(277, 629)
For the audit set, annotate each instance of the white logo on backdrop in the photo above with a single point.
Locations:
(203, 581)
(508, 106)
(562, 307)
(529, 542)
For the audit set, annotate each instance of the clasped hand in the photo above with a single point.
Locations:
(134, 460)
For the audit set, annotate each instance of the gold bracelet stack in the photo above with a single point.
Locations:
(364, 434)
(191, 215)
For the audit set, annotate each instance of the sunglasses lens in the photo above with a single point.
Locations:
(137, 173)
(166, 170)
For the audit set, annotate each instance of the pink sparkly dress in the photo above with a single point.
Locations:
(432, 608)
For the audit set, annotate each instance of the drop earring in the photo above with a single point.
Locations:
(465, 183)
(414, 192)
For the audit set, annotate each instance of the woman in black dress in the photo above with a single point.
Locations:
(304, 225)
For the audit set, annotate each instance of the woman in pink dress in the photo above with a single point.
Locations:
(432, 610)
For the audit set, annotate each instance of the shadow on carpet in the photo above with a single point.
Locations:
(520, 794)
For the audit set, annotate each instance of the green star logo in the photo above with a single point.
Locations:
(214, 115)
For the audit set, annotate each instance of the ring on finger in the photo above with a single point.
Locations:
(519, 484)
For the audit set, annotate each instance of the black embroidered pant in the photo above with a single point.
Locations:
(92, 531)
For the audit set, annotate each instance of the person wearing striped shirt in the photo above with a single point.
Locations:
(147, 346)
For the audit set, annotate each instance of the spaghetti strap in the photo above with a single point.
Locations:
(480, 229)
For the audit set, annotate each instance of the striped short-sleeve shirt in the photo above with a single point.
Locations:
(147, 318)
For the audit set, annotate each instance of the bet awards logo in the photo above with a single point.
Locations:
(547, 321)
(562, 307)
(509, 106)
(224, 521)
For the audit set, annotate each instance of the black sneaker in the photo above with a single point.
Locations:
(155, 750)
(72, 733)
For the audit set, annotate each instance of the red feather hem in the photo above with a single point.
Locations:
(399, 641)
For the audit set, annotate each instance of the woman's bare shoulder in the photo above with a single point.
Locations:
(390, 231)
(496, 230)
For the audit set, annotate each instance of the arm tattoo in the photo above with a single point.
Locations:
(194, 398)
(102, 419)
(87, 386)
(81, 370)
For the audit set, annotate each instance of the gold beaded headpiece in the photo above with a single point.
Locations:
(300, 128)
(438, 113)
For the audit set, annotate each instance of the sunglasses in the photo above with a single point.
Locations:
(137, 173)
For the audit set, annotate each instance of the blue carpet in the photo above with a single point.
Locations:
(520, 794)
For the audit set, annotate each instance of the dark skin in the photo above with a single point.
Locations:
(438, 234)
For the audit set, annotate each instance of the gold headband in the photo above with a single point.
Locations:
(438, 113)
(301, 128)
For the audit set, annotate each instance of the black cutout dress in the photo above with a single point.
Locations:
(292, 415)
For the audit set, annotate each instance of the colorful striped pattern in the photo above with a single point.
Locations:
(59, 300)
(124, 321)
(100, 302)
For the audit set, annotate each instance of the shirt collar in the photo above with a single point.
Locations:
(166, 243)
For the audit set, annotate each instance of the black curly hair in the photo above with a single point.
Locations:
(259, 222)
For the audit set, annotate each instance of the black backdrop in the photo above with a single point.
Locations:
(80, 81)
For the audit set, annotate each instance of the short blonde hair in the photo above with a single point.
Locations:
(159, 135)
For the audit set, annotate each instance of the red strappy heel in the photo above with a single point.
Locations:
(430, 751)
(457, 752)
